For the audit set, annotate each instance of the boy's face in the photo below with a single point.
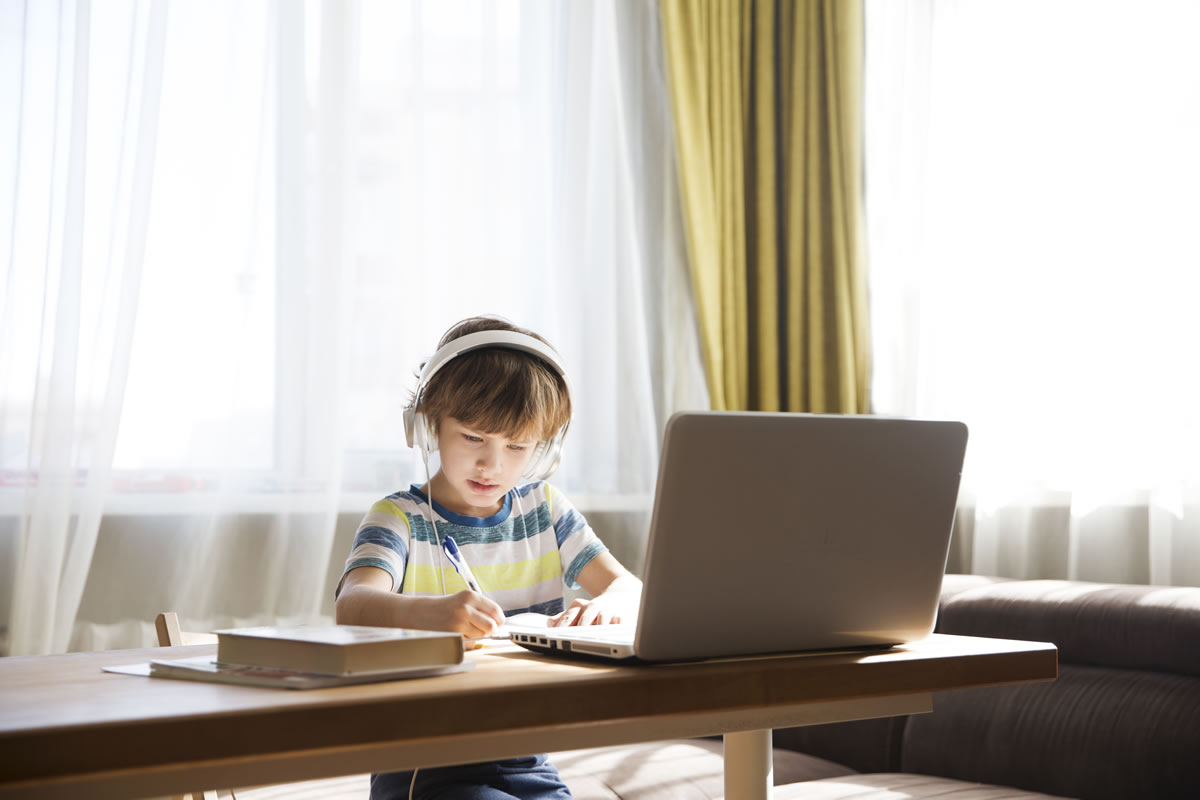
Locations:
(478, 468)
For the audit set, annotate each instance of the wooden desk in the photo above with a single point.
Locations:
(67, 729)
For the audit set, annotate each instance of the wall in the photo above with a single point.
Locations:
(142, 561)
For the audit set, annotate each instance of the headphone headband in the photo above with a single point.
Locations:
(416, 428)
(511, 340)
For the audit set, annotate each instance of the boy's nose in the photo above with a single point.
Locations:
(489, 457)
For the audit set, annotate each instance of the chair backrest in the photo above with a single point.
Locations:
(166, 625)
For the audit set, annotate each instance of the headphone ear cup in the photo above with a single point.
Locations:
(429, 439)
(536, 465)
(544, 460)
(410, 426)
(418, 431)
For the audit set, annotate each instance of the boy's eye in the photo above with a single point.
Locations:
(517, 447)
(472, 438)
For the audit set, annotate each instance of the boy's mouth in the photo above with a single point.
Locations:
(481, 487)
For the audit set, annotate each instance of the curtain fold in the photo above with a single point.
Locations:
(768, 112)
(75, 235)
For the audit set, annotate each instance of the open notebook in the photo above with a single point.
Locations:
(778, 532)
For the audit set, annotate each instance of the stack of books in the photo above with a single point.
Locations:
(318, 656)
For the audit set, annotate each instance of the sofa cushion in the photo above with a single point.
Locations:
(1095, 732)
(682, 769)
(897, 786)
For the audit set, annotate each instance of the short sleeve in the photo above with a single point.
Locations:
(382, 541)
(577, 542)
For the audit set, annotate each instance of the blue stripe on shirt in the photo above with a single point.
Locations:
(571, 578)
(513, 529)
(566, 525)
(373, 534)
(370, 562)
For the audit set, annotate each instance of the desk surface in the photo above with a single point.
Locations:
(65, 725)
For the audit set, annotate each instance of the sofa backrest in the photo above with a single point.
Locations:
(1121, 720)
(1154, 628)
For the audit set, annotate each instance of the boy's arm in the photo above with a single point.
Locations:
(615, 594)
(366, 598)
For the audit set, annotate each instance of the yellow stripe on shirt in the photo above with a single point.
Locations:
(420, 579)
(388, 507)
(518, 574)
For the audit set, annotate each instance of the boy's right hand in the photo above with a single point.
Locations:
(468, 613)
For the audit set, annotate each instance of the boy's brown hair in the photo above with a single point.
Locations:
(497, 390)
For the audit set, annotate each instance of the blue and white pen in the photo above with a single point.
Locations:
(460, 564)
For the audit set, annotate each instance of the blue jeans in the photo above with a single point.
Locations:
(528, 778)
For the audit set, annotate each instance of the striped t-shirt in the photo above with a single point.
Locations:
(521, 556)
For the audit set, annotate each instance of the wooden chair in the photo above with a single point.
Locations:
(351, 787)
(169, 634)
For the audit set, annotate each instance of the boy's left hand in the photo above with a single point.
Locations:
(598, 611)
(618, 603)
(617, 595)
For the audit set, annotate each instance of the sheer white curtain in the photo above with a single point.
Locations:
(1033, 186)
(231, 232)
(76, 158)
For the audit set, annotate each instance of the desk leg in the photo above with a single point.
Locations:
(748, 766)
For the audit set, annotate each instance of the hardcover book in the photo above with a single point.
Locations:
(337, 649)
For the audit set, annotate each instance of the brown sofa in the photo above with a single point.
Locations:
(1121, 721)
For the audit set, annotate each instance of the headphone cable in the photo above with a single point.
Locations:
(437, 538)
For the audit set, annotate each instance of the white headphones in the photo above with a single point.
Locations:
(420, 434)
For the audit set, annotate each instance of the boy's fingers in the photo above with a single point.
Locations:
(484, 624)
(497, 612)
(485, 620)
(484, 614)
(474, 618)
(590, 616)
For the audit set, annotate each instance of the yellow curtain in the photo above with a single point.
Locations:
(767, 96)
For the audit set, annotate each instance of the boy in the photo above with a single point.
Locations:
(496, 413)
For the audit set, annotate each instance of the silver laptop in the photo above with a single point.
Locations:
(778, 532)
